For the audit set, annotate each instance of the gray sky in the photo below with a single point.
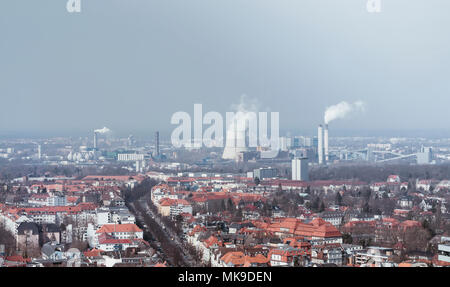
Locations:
(130, 64)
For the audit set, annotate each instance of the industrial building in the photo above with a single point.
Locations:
(130, 157)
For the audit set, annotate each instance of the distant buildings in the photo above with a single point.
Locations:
(263, 173)
(57, 200)
(375, 256)
(300, 169)
(174, 207)
(444, 250)
(425, 156)
(130, 157)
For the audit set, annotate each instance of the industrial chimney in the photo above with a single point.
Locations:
(325, 141)
(39, 151)
(157, 143)
(95, 140)
(320, 144)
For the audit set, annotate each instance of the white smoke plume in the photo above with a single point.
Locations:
(246, 105)
(341, 110)
(236, 130)
(103, 130)
(245, 110)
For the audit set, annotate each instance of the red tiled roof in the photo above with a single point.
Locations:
(238, 258)
(316, 228)
(110, 228)
(93, 252)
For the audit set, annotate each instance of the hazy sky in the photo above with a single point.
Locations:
(130, 64)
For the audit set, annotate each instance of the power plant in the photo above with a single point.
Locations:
(97, 132)
(236, 138)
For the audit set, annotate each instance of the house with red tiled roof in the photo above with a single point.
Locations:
(298, 242)
(108, 243)
(327, 254)
(160, 264)
(108, 232)
(393, 178)
(94, 252)
(11, 218)
(289, 256)
(121, 231)
(51, 214)
(212, 242)
(16, 261)
(384, 230)
(173, 207)
(316, 230)
(239, 259)
(410, 224)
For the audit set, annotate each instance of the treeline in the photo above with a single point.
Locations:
(139, 190)
(369, 173)
(169, 248)
(8, 240)
(9, 171)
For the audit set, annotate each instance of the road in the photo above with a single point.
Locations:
(169, 233)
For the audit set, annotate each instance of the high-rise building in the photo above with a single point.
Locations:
(39, 152)
(300, 169)
(320, 144)
(425, 155)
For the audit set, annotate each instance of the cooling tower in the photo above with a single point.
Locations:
(235, 141)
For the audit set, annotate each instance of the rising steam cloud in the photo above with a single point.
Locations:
(235, 134)
(246, 108)
(342, 109)
(102, 131)
(246, 105)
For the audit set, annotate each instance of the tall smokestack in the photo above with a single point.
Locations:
(95, 140)
(320, 143)
(325, 141)
(157, 143)
(39, 152)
